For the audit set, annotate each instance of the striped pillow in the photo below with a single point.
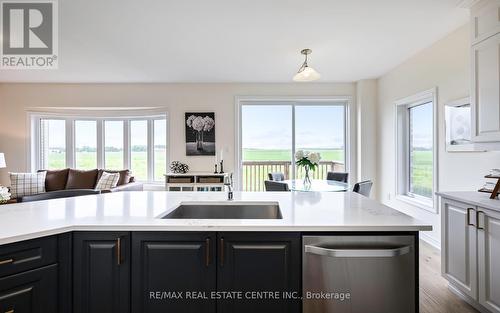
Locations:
(107, 181)
(27, 184)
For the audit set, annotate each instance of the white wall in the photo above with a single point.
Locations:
(445, 65)
(17, 99)
(366, 95)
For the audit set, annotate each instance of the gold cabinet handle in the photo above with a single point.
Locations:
(477, 220)
(207, 255)
(222, 252)
(8, 261)
(119, 250)
(468, 217)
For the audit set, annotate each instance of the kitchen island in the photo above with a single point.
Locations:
(117, 253)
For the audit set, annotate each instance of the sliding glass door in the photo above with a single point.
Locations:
(266, 143)
(271, 133)
(321, 128)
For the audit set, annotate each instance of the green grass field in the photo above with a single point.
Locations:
(286, 155)
(421, 179)
(422, 173)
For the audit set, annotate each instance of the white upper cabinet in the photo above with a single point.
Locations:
(485, 20)
(485, 89)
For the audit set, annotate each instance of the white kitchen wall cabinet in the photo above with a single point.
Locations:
(485, 20)
(485, 89)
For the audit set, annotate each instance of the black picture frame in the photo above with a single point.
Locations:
(200, 133)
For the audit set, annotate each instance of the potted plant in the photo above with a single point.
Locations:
(309, 161)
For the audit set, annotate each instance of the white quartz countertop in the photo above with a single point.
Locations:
(139, 211)
(476, 198)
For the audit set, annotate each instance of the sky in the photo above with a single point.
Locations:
(421, 124)
(270, 126)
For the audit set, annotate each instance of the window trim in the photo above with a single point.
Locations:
(402, 156)
(349, 133)
(33, 140)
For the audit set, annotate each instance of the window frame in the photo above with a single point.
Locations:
(34, 121)
(349, 130)
(402, 149)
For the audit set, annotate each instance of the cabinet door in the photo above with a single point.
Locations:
(489, 259)
(485, 20)
(173, 272)
(486, 90)
(33, 291)
(101, 272)
(259, 262)
(458, 253)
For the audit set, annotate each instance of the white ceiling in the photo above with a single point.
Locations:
(239, 40)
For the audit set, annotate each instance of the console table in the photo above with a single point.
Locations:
(195, 181)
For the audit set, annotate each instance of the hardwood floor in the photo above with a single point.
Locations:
(435, 297)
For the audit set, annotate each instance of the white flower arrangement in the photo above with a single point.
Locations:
(209, 123)
(4, 194)
(306, 159)
(200, 123)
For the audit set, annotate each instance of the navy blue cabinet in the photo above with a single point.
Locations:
(196, 272)
(152, 272)
(101, 272)
(265, 267)
(34, 274)
(33, 291)
(173, 272)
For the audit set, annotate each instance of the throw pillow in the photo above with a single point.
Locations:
(78, 179)
(27, 184)
(56, 179)
(108, 181)
(124, 176)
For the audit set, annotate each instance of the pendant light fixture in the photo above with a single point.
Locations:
(306, 73)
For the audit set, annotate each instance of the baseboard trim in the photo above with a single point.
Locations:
(467, 299)
(433, 242)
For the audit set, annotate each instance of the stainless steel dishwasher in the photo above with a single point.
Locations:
(359, 274)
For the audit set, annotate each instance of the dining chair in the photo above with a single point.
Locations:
(276, 176)
(275, 186)
(337, 176)
(363, 187)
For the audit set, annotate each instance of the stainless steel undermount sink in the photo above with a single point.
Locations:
(226, 210)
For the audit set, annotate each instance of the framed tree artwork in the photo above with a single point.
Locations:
(200, 133)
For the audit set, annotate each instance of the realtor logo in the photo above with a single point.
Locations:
(29, 35)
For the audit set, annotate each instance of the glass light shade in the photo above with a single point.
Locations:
(2, 161)
(307, 74)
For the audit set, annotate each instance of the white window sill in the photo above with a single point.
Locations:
(154, 186)
(421, 204)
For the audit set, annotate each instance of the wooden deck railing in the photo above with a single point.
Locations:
(255, 172)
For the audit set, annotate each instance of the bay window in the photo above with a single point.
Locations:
(114, 143)
(85, 144)
(52, 143)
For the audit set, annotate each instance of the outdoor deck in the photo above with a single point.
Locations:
(255, 172)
